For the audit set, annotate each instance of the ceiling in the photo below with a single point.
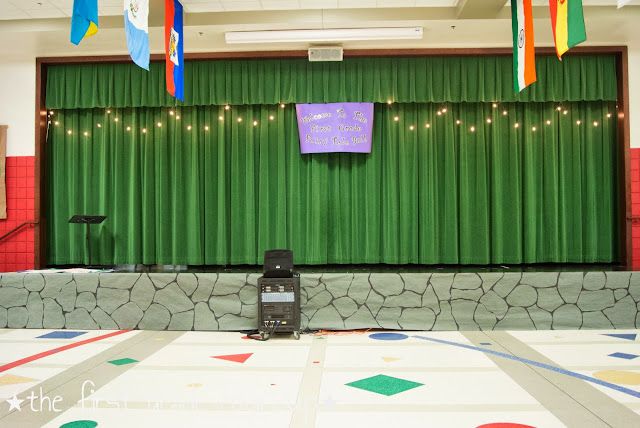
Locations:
(31, 28)
(36, 9)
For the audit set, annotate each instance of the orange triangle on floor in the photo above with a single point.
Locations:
(10, 379)
(238, 358)
(390, 359)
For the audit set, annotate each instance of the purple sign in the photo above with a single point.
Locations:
(336, 127)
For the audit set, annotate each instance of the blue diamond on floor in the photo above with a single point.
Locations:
(123, 361)
(384, 385)
(61, 335)
(623, 355)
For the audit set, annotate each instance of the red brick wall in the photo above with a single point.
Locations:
(635, 205)
(17, 251)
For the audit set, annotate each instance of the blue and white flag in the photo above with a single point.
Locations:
(136, 25)
(622, 3)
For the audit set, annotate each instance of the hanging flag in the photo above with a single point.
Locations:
(524, 55)
(84, 20)
(173, 48)
(623, 3)
(136, 25)
(567, 23)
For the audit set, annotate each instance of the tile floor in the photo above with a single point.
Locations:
(363, 379)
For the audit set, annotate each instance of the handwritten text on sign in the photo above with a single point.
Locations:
(336, 127)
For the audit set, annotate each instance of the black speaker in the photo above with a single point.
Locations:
(278, 264)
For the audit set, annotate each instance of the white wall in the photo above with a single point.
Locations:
(17, 105)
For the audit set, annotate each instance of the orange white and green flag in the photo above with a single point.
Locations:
(524, 55)
(567, 23)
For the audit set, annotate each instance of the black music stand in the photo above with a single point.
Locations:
(88, 220)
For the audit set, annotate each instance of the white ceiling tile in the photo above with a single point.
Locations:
(437, 3)
(280, 4)
(348, 4)
(13, 14)
(210, 6)
(396, 3)
(318, 4)
(62, 4)
(237, 5)
(45, 13)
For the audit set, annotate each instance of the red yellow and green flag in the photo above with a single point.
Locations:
(524, 55)
(567, 23)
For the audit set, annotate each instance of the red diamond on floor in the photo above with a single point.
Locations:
(237, 358)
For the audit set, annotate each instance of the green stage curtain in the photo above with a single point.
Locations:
(271, 81)
(499, 186)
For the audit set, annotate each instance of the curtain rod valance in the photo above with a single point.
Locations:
(372, 79)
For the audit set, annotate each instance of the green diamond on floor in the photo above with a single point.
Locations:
(385, 385)
(123, 361)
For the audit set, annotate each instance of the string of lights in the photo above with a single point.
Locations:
(561, 111)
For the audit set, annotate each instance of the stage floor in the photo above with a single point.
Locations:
(69, 378)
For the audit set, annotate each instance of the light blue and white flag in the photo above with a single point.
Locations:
(623, 3)
(136, 25)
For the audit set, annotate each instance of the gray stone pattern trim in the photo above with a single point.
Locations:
(409, 301)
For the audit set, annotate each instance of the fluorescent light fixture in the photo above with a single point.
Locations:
(326, 35)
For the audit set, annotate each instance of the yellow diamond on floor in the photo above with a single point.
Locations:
(621, 377)
(10, 379)
(390, 359)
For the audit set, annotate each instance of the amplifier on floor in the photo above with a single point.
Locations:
(279, 295)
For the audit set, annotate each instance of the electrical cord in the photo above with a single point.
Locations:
(270, 327)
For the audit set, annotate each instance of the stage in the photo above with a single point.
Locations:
(331, 301)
